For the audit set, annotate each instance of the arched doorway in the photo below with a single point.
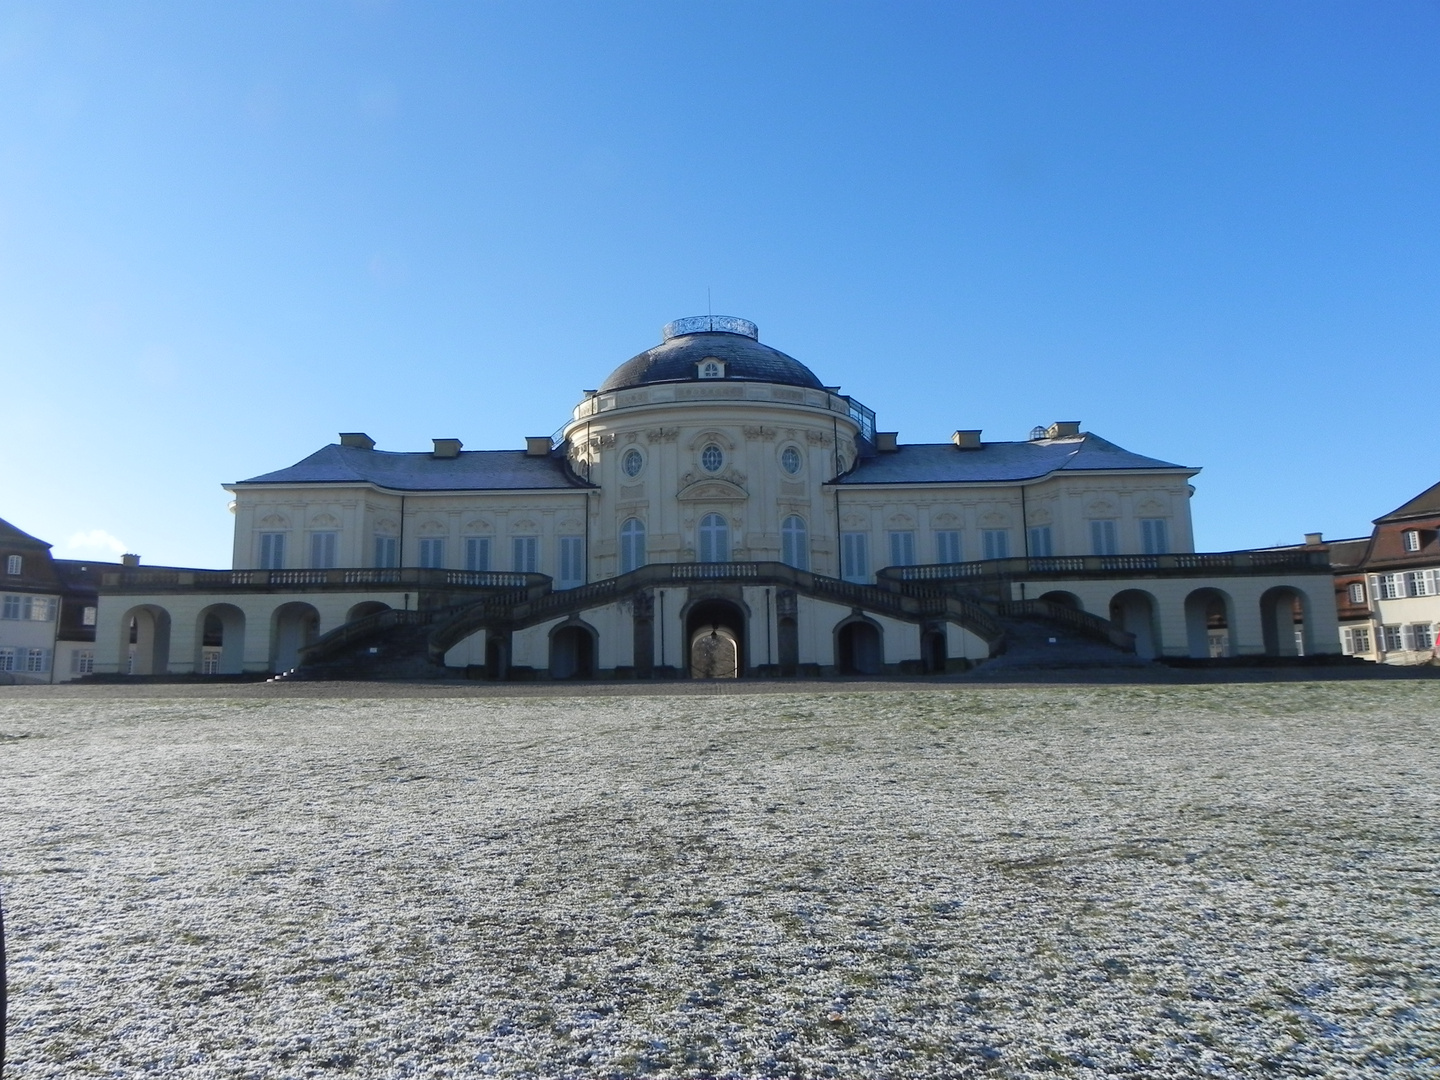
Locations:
(293, 626)
(1134, 611)
(859, 648)
(145, 641)
(1284, 622)
(365, 608)
(1060, 598)
(572, 651)
(220, 640)
(715, 631)
(934, 650)
(1207, 623)
(497, 656)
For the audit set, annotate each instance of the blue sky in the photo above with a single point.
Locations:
(1209, 231)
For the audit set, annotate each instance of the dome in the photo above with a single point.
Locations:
(689, 341)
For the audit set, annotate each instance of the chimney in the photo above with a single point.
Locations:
(357, 439)
(885, 441)
(1313, 539)
(1063, 429)
(446, 448)
(129, 560)
(537, 445)
(966, 440)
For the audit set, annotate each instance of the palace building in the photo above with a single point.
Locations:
(712, 509)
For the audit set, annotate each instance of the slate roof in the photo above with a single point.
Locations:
(472, 470)
(1349, 554)
(745, 359)
(13, 537)
(998, 462)
(1427, 502)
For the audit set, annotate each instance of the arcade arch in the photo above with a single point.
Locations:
(145, 641)
(1209, 615)
(292, 627)
(219, 640)
(715, 637)
(1135, 611)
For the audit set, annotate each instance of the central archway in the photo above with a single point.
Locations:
(859, 647)
(715, 633)
(572, 651)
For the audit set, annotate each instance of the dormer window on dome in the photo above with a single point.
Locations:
(711, 367)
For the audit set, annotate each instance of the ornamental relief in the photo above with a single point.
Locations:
(947, 520)
(274, 521)
(1040, 516)
(713, 489)
(710, 436)
(1152, 508)
(818, 438)
(793, 489)
(478, 525)
(994, 520)
(632, 491)
(433, 528)
(324, 521)
(662, 434)
(1100, 508)
(760, 434)
(602, 442)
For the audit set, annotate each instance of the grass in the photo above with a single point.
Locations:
(1048, 881)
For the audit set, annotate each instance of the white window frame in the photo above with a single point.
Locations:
(477, 553)
(995, 543)
(37, 661)
(902, 547)
(1392, 638)
(525, 554)
(14, 565)
(1422, 636)
(632, 545)
(7, 658)
(387, 552)
(324, 546)
(272, 551)
(10, 606)
(712, 539)
(855, 556)
(82, 662)
(570, 552)
(210, 660)
(795, 542)
(1387, 586)
(1410, 539)
(88, 615)
(947, 546)
(432, 552)
(1042, 544)
(1104, 536)
(1356, 592)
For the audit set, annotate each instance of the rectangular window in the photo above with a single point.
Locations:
(1391, 639)
(902, 548)
(1388, 586)
(1154, 536)
(1424, 636)
(525, 554)
(477, 553)
(572, 562)
(10, 608)
(210, 662)
(39, 608)
(1104, 538)
(14, 564)
(855, 556)
(1357, 592)
(1412, 539)
(272, 551)
(996, 543)
(7, 659)
(82, 662)
(87, 617)
(1359, 639)
(387, 552)
(37, 660)
(1041, 546)
(947, 546)
(1417, 583)
(432, 552)
(322, 550)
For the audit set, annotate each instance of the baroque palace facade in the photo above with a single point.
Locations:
(712, 509)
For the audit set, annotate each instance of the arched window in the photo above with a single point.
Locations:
(714, 539)
(632, 545)
(794, 543)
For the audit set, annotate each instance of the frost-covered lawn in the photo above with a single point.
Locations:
(1095, 881)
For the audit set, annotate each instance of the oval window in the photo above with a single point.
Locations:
(790, 460)
(711, 458)
(632, 462)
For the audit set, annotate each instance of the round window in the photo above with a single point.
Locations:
(632, 462)
(790, 460)
(712, 457)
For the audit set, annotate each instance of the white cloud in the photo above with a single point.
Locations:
(96, 540)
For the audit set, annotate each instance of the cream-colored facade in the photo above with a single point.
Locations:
(711, 485)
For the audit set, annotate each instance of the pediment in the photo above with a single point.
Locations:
(712, 490)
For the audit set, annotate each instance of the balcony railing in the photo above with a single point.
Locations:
(170, 578)
(1182, 564)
